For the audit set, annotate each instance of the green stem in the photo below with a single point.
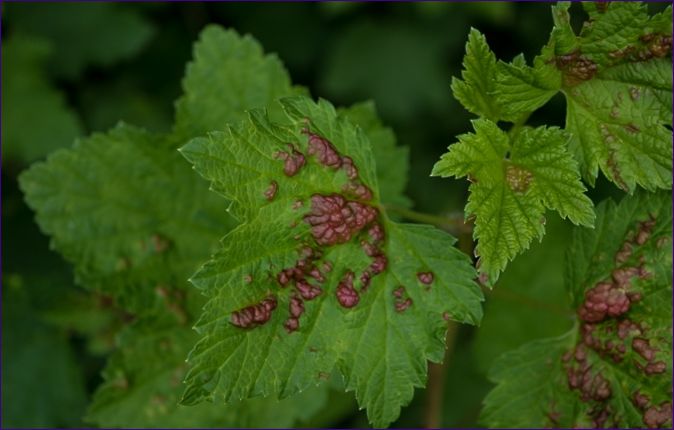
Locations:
(455, 225)
(514, 131)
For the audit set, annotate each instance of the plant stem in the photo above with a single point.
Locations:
(453, 225)
(437, 373)
(436, 382)
(515, 129)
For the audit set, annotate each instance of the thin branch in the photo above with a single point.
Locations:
(454, 225)
(437, 373)
(436, 382)
(515, 129)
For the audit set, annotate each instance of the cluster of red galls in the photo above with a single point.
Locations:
(607, 332)
(333, 219)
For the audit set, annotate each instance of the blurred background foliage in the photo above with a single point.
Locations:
(72, 69)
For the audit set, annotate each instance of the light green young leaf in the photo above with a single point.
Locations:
(380, 345)
(521, 89)
(479, 75)
(619, 361)
(143, 383)
(515, 177)
(123, 207)
(228, 75)
(502, 91)
(35, 117)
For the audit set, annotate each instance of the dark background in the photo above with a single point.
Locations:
(90, 65)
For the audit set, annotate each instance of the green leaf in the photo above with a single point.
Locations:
(143, 382)
(611, 357)
(498, 90)
(521, 89)
(475, 91)
(36, 119)
(381, 344)
(614, 28)
(617, 82)
(129, 214)
(98, 34)
(515, 177)
(528, 392)
(392, 160)
(618, 120)
(229, 75)
(138, 236)
(162, 236)
(616, 77)
(562, 38)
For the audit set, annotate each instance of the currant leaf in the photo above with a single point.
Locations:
(613, 369)
(618, 88)
(616, 77)
(228, 75)
(316, 276)
(138, 237)
(515, 177)
(143, 381)
(141, 246)
(479, 74)
(521, 89)
(120, 242)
